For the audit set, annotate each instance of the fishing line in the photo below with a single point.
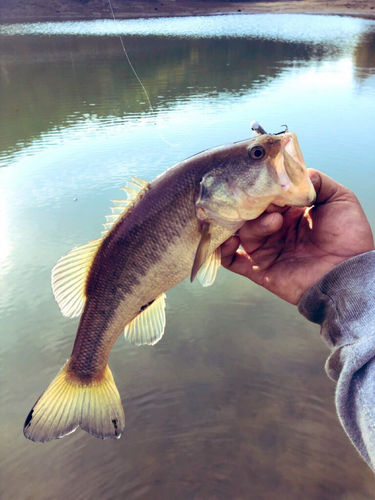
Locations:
(139, 80)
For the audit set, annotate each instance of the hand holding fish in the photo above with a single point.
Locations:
(288, 249)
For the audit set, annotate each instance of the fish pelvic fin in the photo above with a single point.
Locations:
(69, 402)
(207, 273)
(202, 252)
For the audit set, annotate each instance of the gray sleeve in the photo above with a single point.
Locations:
(343, 303)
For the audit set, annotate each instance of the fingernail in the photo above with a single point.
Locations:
(266, 221)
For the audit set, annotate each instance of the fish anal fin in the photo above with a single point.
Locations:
(207, 273)
(69, 278)
(68, 403)
(202, 252)
(148, 327)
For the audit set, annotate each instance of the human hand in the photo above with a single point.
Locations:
(288, 249)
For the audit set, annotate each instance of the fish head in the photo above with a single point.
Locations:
(247, 176)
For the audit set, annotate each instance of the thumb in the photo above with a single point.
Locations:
(255, 232)
(251, 236)
(327, 190)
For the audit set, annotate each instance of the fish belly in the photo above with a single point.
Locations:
(104, 318)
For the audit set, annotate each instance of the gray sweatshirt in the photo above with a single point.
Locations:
(343, 303)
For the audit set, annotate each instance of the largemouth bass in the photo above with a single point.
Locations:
(163, 232)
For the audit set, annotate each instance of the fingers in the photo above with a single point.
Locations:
(254, 233)
(231, 258)
(229, 248)
(251, 236)
(239, 262)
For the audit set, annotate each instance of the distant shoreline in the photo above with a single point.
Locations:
(72, 10)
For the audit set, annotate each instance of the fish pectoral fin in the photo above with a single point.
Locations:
(69, 278)
(148, 327)
(203, 248)
(207, 273)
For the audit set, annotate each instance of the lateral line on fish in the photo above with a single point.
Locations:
(139, 80)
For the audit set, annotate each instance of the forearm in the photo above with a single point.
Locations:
(343, 303)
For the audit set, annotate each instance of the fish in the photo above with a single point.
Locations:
(163, 232)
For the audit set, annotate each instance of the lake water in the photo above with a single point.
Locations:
(233, 403)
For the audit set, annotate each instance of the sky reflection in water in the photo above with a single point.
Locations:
(233, 399)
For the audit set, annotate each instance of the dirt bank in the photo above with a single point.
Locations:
(34, 10)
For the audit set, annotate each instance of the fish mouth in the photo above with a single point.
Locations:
(290, 145)
(292, 173)
(280, 163)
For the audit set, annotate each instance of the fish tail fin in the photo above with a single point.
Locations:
(69, 402)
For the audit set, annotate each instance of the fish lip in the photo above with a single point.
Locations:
(290, 145)
(283, 177)
(286, 139)
(309, 202)
(313, 200)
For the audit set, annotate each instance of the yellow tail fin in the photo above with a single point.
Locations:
(67, 404)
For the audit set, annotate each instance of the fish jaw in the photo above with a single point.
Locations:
(297, 188)
(208, 215)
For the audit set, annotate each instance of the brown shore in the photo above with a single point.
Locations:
(42, 10)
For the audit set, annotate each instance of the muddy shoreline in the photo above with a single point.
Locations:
(64, 10)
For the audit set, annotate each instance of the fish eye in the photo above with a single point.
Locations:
(257, 152)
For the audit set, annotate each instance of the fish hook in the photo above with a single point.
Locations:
(283, 131)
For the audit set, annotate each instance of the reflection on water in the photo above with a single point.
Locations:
(93, 79)
(233, 402)
(364, 57)
(291, 27)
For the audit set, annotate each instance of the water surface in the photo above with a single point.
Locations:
(233, 402)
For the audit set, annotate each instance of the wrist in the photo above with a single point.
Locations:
(345, 295)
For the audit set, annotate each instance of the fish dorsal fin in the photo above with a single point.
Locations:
(148, 327)
(69, 278)
(69, 275)
(201, 254)
(207, 273)
(135, 190)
